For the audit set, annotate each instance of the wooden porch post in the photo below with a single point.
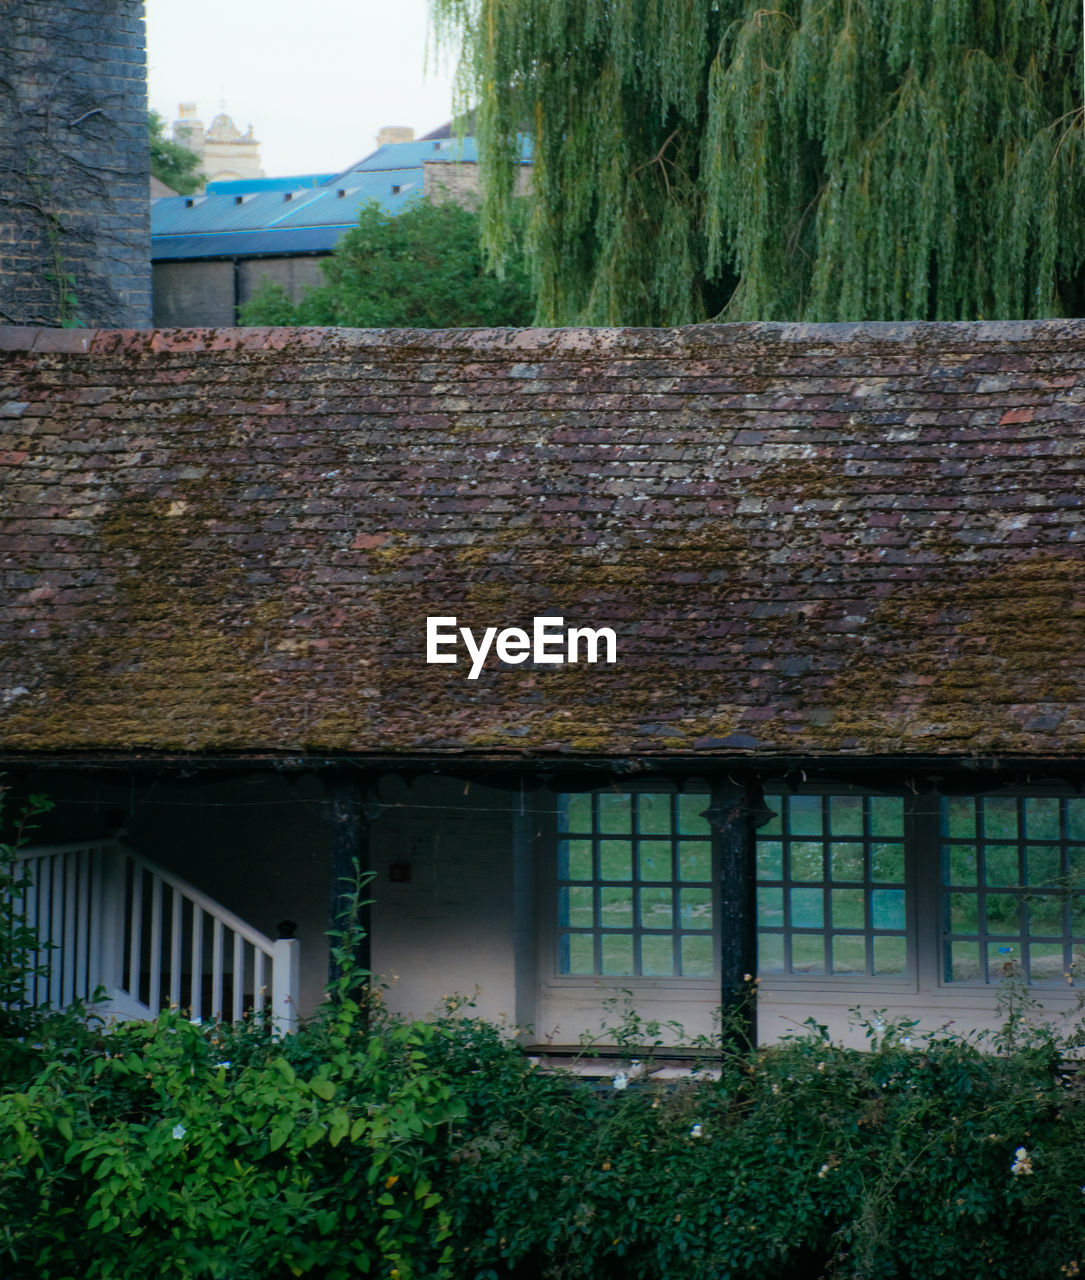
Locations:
(350, 841)
(731, 816)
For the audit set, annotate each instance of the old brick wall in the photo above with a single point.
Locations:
(74, 164)
(809, 540)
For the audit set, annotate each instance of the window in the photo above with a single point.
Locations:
(831, 893)
(635, 886)
(1013, 887)
(836, 876)
(910, 890)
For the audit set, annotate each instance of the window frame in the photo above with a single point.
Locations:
(902, 985)
(549, 884)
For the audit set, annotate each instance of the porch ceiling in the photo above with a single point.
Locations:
(809, 540)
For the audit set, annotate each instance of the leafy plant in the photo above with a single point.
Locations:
(422, 268)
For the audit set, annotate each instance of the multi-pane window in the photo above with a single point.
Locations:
(831, 895)
(635, 885)
(1013, 887)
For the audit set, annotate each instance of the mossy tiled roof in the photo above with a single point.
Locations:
(808, 539)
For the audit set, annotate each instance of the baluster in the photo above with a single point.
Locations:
(216, 969)
(154, 993)
(135, 932)
(175, 950)
(195, 986)
(239, 976)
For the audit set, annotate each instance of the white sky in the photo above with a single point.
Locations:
(315, 78)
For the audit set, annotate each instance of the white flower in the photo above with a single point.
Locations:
(696, 1131)
(179, 1131)
(824, 1171)
(1022, 1162)
(620, 1080)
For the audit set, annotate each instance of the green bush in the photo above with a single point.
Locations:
(369, 1145)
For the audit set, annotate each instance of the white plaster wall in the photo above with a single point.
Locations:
(449, 929)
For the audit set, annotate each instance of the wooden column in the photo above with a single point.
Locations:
(349, 842)
(731, 814)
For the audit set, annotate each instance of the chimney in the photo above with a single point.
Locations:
(395, 133)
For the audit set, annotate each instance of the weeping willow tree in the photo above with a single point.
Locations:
(816, 160)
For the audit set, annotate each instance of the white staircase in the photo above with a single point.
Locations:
(151, 940)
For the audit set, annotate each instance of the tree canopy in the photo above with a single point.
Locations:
(171, 163)
(419, 269)
(813, 160)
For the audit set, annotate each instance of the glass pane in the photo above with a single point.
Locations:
(849, 953)
(846, 816)
(1042, 818)
(807, 861)
(1000, 865)
(617, 953)
(656, 909)
(1003, 913)
(887, 908)
(1045, 962)
(959, 818)
(690, 821)
(1003, 959)
(886, 816)
(807, 953)
(615, 860)
(574, 860)
(770, 860)
(654, 815)
(1000, 818)
(1075, 819)
(576, 953)
(770, 953)
(891, 955)
(698, 960)
(804, 813)
(575, 907)
(846, 861)
(574, 813)
(963, 962)
(616, 908)
(696, 908)
(657, 955)
(654, 860)
(1045, 915)
(959, 863)
(807, 909)
(695, 860)
(774, 826)
(1077, 915)
(615, 813)
(1042, 863)
(846, 908)
(1075, 865)
(770, 906)
(963, 912)
(887, 862)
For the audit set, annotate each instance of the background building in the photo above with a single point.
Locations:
(211, 252)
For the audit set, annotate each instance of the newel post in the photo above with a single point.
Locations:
(285, 980)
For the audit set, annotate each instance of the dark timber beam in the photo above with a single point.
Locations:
(732, 813)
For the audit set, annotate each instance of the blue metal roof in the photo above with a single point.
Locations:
(245, 244)
(306, 214)
(246, 186)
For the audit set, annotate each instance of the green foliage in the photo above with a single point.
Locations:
(422, 268)
(893, 159)
(18, 940)
(171, 163)
(369, 1145)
